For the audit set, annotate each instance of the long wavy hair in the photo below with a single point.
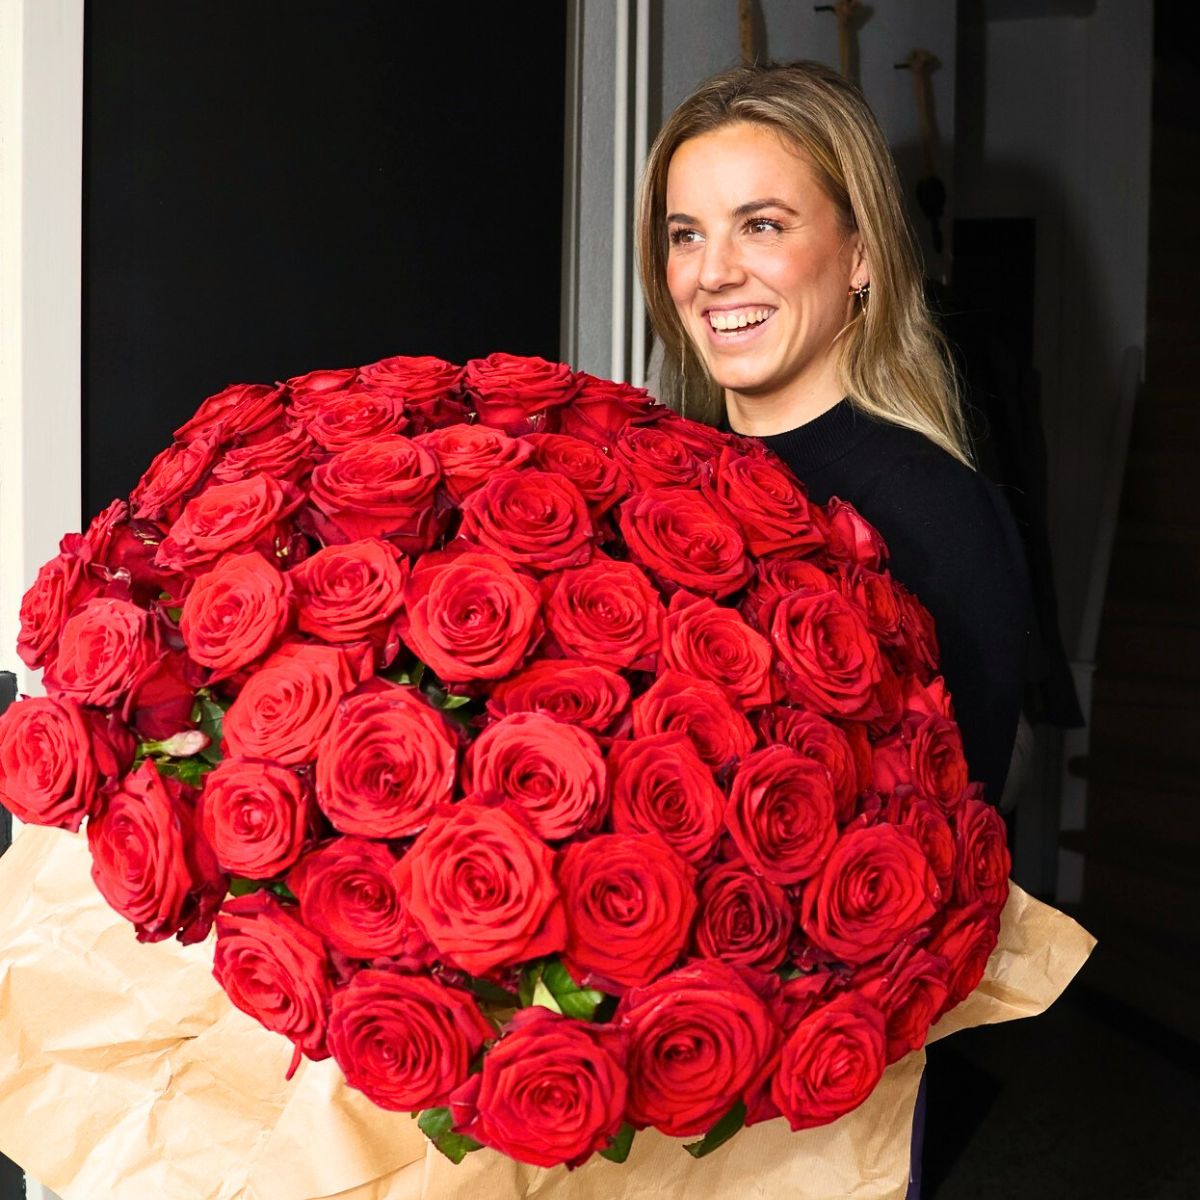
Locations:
(894, 362)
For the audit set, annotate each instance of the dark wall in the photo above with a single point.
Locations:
(273, 187)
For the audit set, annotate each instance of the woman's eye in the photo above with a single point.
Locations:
(763, 225)
(682, 237)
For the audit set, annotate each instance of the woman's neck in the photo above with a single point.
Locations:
(762, 416)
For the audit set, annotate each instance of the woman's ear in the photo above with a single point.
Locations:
(860, 270)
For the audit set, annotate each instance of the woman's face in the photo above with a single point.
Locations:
(760, 268)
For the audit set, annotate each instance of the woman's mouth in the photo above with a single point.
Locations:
(736, 324)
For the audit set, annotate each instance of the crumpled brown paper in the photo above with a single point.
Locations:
(126, 1073)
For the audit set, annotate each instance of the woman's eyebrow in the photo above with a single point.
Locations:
(742, 210)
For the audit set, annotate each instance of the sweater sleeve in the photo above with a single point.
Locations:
(953, 542)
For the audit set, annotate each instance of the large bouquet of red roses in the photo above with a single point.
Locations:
(545, 758)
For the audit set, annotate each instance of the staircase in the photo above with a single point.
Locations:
(1142, 842)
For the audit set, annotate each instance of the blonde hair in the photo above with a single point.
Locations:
(894, 362)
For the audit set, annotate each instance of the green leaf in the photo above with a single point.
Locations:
(189, 770)
(528, 984)
(174, 614)
(618, 1149)
(543, 997)
(243, 887)
(408, 676)
(453, 702)
(570, 999)
(282, 890)
(492, 993)
(456, 1146)
(720, 1133)
(434, 1122)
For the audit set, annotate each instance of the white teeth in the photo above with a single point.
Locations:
(738, 320)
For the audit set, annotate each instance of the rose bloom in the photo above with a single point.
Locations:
(926, 753)
(875, 888)
(405, 1042)
(768, 503)
(387, 761)
(148, 861)
(699, 1041)
(655, 457)
(554, 772)
(347, 893)
(743, 919)
(382, 488)
(356, 415)
(470, 454)
(699, 708)
(681, 538)
(289, 455)
(703, 639)
(853, 539)
(926, 822)
(517, 394)
(775, 578)
(781, 814)
(909, 987)
(242, 408)
(430, 386)
(286, 706)
(965, 938)
(551, 1091)
(481, 887)
(48, 773)
(535, 519)
(601, 408)
(661, 785)
(107, 647)
(600, 480)
(629, 900)
(61, 585)
(255, 815)
(315, 386)
(470, 616)
(235, 613)
(174, 475)
(982, 860)
(352, 591)
(275, 969)
(575, 693)
(830, 1063)
(225, 517)
(848, 762)
(877, 598)
(607, 612)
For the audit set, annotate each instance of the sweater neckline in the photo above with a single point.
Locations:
(818, 442)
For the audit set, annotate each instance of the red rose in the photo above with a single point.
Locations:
(242, 408)
(876, 887)
(853, 539)
(288, 455)
(703, 639)
(781, 814)
(982, 860)
(916, 649)
(316, 385)
(382, 488)
(607, 612)
(171, 478)
(679, 536)
(965, 939)
(48, 773)
(551, 1091)
(743, 919)
(106, 647)
(775, 578)
(148, 861)
(909, 988)
(481, 886)
(601, 482)
(925, 753)
(554, 772)
(353, 591)
(235, 613)
(60, 587)
(228, 516)
(698, 708)
(470, 616)
(430, 386)
(274, 969)
(575, 693)
(470, 454)
(877, 598)
(517, 394)
(925, 821)
(357, 415)
(848, 764)
(533, 518)
(803, 995)
(830, 1062)
(404, 1042)
(699, 1041)
(660, 785)
(601, 407)
(286, 706)
(768, 503)
(347, 893)
(387, 761)
(255, 815)
(655, 457)
(629, 901)
(828, 659)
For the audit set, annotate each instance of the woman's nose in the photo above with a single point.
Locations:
(720, 266)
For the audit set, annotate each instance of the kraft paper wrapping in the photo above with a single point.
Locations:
(126, 1073)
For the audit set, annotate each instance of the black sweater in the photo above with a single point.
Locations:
(953, 542)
